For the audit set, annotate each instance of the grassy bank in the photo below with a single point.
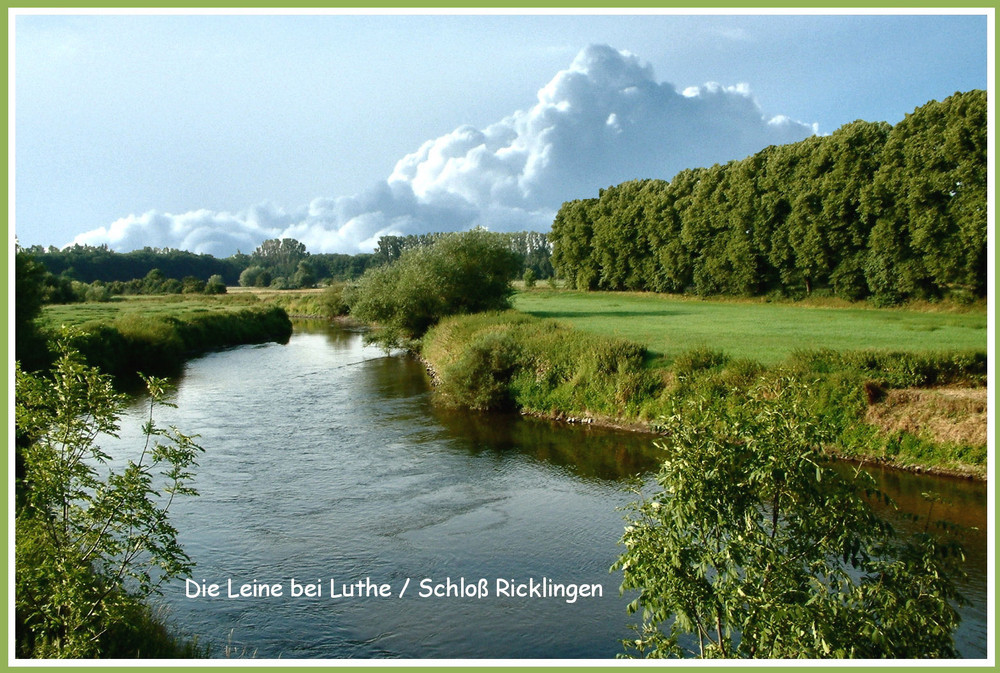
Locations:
(515, 361)
(155, 335)
(766, 332)
(326, 302)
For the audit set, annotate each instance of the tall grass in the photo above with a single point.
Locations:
(514, 361)
(159, 343)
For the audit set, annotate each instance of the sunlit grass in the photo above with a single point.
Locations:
(761, 331)
(151, 306)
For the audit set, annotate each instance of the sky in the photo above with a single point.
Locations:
(213, 133)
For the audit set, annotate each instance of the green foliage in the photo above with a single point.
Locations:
(899, 370)
(459, 273)
(505, 360)
(280, 257)
(754, 547)
(255, 276)
(90, 263)
(29, 342)
(159, 343)
(895, 213)
(215, 285)
(532, 247)
(93, 536)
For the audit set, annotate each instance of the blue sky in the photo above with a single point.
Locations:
(212, 133)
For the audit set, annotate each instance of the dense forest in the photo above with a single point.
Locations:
(888, 213)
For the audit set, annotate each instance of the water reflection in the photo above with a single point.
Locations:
(587, 452)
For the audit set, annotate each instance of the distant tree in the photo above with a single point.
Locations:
(215, 285)
(153, 282)
(255, 276)
(572, 240)
(171, 286)
(304, 276)
(280, 256)
(529, 278)
(29, 288)
(192, 285)
(890, 213)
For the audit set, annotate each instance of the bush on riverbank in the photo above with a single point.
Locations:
(511, 360)
(93, 535)
(159, 344)
(459, 273)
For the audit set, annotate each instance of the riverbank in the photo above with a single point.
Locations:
(156, 336)
(874, 405)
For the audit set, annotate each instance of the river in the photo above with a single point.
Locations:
(327, 463)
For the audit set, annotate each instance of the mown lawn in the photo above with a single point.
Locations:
(765, 332)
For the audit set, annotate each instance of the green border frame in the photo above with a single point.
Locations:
(558, 5)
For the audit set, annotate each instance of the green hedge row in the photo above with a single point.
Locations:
(159, 345)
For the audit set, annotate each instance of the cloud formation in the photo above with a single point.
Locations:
(603, 120)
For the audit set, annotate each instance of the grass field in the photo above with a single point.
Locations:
(765, 332)
(147, 305)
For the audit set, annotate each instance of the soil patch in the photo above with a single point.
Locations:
(952, 415)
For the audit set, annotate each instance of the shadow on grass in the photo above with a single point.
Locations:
(638, 313)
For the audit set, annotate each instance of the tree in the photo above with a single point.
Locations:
(529, 278)
(92, 540)
(255, 276)
(756, 547)
(29, 288)
(280, 256)
(305, 275)
(459, 273)
(215, 285)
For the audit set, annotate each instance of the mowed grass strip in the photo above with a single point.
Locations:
(765, 332)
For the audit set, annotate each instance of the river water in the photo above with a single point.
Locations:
(327, 462)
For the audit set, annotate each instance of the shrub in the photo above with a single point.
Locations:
(92, 541)
(755, 547)
(459, 273)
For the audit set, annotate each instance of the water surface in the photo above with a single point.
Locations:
(325, 459)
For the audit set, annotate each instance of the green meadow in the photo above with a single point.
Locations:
(150, 306)
(767, 332)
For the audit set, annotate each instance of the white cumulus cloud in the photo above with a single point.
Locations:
(603, 120)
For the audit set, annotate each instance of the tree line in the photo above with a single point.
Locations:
(276, 263)
(873, 211)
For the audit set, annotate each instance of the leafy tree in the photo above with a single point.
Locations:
(304, 276)
(280, 256)
(92, 540)
(192, 285)
(29, 291)
(529, 278)
(255, 276)
(572, 241)
(459, 273)
(215, 285)
(755, 547)
(872, 210)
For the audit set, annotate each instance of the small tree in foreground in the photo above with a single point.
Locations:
(92, 540)
(755, 547)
